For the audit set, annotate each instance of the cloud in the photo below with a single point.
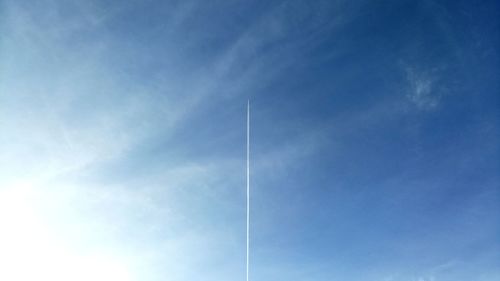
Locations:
(67, 110)
(424, 90)
(76, 102)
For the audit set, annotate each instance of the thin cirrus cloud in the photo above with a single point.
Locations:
(122, 141)
(73, 111)
(425, 91)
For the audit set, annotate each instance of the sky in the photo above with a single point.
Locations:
(375, 135)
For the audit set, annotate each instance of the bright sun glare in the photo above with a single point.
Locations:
(30, 248)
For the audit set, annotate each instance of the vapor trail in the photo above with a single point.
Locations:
(248, 184)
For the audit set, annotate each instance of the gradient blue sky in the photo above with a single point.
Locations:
(375, 140)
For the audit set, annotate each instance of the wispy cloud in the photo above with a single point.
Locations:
(424, 91)
(111, 162)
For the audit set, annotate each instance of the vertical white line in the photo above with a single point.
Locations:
(248, 184)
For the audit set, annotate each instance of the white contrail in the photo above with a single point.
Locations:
(248, 184)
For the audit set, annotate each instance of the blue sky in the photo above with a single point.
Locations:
(375, 140)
